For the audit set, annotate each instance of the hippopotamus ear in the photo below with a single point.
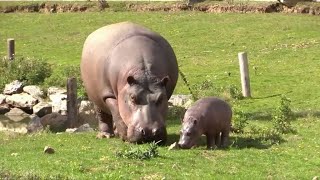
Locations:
(164, 80)
(131, 80)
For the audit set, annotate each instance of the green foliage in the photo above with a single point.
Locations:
(232, 92)
(239, 120)
(136, 152)
(283, 116)
(61, 74)
(28, 70)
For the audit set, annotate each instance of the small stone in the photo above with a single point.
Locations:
(71, 130)
(173, 146)
(48, 150)
(84, 128)
(315, 178)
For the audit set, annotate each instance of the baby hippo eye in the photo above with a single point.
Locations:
(188, 133)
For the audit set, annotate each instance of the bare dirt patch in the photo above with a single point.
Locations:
(218, 7)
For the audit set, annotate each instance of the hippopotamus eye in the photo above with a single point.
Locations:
(134, 99)
(188, 133)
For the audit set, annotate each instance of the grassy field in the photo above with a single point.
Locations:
(284, 54)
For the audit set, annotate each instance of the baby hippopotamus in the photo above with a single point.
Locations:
(210, 116)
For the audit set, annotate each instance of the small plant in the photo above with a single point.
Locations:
(239, 120)
(282, 117)
(138, 153)
(232, 92)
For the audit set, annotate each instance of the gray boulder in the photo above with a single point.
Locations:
(41, 109)
(86, 113)
(23, 101)
(56, 90)
(2, 98)
(34, 91)
(16, 114)
(13, 88)
(181, 100)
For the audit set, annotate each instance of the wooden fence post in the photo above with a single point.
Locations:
(72, 109)
(11, 51)
(244, 71)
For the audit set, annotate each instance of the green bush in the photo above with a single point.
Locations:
(28, 70)
(60, 76)
(282, 116)
(239, 120)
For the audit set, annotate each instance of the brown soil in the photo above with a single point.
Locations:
(310, 8)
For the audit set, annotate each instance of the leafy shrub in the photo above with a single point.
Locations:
(232, 92)
(60, 76)
(239, 120)
(137, 152)
(282, 116)
(29, 71)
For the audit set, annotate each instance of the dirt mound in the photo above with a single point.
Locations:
(310, 8)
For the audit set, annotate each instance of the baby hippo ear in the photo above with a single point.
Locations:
(164, 80)
(131, 80)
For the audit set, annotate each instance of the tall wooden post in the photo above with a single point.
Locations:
(244, 71)
(11, 51)
(72, 110)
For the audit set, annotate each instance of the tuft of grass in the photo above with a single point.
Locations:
(136, 152)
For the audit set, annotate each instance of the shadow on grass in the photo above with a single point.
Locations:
(172, 138)
(259, 142)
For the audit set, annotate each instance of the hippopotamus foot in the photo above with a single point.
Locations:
(211, 141)
(105, 124)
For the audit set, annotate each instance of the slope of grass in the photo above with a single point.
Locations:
(283, 53)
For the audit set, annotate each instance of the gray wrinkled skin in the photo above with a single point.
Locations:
(129, 72)
(210, 117)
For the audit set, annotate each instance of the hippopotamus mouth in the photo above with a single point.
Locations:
(160, 137)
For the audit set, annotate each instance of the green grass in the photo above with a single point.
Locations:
(284, 49)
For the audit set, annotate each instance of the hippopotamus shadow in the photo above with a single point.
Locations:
(257, 143)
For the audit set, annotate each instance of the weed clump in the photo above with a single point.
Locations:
(140, 153)
(282, 117)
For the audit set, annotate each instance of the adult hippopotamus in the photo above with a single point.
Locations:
(129, 72)
(210, 116)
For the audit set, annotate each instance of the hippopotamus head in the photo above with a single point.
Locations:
(143, 105)
(189, 133)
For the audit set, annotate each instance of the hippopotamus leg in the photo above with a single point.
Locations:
(210, 141)
(105, 124)
(218, 139)
(120, 126)
(225, 138)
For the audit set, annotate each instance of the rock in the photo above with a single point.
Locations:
(59, 106)
(181, 100)
(16, 114)
(173, 146)
(86, 113)
(71, 130)
(315, 178)
(34, 125)
(84, 128)
(13, 88)
(59, 103)
(23, 101)
(55, 121)
(48, 150)
(7, 125)
(2, 99)
(34, 91)
(4, 108)
(41, 109)
(56, 90)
